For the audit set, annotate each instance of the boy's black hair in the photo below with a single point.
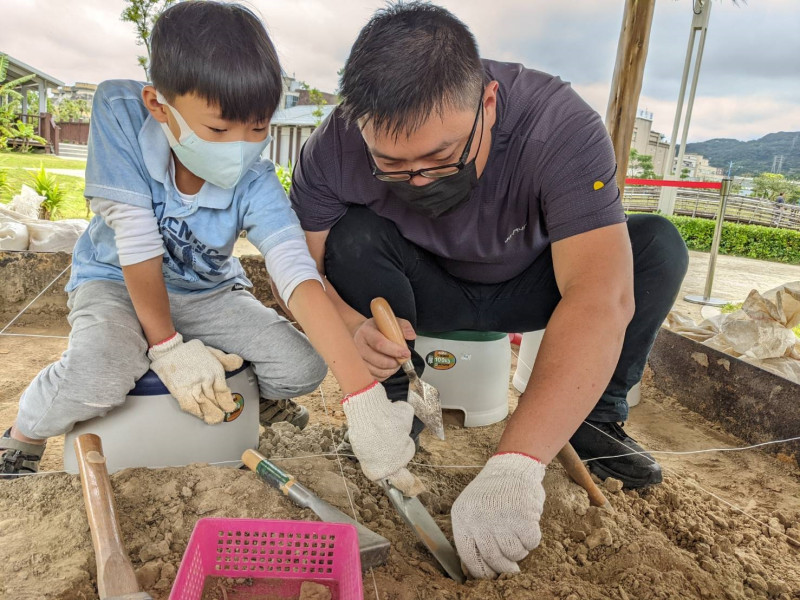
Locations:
(409, 61)
(222, 53)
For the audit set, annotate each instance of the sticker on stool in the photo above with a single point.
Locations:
(441, 360)
(234, 414)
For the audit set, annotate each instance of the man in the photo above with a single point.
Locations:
(481, 195)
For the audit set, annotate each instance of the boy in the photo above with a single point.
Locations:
(173, 176)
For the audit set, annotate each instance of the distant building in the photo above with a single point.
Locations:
(698, 166)
(291, 92)
(648, 142)
(290, 128)
(295, 93)
(79, 91)
(41, 83)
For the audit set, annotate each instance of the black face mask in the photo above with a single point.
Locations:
(438, 197)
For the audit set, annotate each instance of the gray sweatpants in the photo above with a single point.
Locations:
(107, 350)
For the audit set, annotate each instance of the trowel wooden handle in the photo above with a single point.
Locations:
(115, 575)
(387, 322)
(578, 472)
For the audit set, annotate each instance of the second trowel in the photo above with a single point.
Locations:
(422, 396)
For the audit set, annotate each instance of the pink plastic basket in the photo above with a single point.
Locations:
(277, 555)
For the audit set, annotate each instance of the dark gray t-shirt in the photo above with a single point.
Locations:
(550, 175)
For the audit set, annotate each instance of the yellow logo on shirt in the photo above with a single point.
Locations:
(598, 185)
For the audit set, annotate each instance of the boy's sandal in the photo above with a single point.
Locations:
(19, 458)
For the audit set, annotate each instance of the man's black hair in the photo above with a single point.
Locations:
(409, 61)
(220, 52)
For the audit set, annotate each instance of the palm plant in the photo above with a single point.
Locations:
(46, 186)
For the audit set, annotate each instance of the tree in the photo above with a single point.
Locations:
(641, 165)
(770, 185)
(143, 15)
(73, 110)
(339, 74)
(316, 98)
(685, 173)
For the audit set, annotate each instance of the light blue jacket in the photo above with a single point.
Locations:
(128, 162)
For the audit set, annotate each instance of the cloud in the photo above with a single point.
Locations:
(749, 84)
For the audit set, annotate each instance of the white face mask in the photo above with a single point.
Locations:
(220, 163)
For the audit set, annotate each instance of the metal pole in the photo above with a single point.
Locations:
(666, 200)
(706, 298)
(702, 11)
(690, 104)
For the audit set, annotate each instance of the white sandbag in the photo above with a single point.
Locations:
(13, 234)
(26, 203)
(55, 236)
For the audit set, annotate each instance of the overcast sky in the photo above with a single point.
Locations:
(749, 82)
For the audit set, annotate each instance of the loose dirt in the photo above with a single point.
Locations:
(681, 539)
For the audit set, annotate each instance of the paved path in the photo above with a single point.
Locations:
(70, 172)
(734, 277)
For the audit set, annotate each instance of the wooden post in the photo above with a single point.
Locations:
(634, 38)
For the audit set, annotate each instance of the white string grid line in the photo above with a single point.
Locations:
(679, 476)
(694, 483)
(430, 466)
(47, 287)
(344, 479)
(339, 455)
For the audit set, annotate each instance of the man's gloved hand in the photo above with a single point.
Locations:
(195, 374)
(496, 518)
(379, 434)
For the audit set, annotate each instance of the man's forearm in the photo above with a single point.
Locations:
(145, 283)
(575, 362)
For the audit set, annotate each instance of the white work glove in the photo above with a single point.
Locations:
(496, 518)
(379, 434)
(195, 375)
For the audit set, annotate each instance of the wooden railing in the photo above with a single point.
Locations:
(44, 126)
(704, 204)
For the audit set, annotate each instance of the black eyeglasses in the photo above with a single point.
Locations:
(431, 172)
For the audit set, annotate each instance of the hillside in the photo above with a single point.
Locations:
(755, 156)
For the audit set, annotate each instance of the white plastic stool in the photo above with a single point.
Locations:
(150, 429)
(470, 369)
(528, 350)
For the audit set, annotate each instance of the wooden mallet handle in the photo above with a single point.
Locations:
(578, 472)
(115, 575)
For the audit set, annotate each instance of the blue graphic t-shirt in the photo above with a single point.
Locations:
(128, 162)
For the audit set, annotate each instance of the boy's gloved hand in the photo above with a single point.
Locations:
(379, 434)
(195, 374)
(496, 518)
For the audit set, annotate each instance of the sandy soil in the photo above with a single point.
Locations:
(682, 539)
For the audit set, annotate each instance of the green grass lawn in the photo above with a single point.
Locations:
(11, 160)
(74, 206)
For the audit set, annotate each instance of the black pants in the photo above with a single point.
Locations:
(366, 256)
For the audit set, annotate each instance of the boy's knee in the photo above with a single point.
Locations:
(303, 379)
(312, 377)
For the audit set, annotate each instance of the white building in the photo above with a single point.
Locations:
(290, 128)
(648, 142)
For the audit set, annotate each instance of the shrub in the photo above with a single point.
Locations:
(284, 176)
(750, 241)
(4, 187)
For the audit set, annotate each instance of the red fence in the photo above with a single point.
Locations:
(708, 185)
(74, 133)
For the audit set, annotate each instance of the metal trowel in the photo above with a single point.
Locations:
(422, 524)
(422, 396)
